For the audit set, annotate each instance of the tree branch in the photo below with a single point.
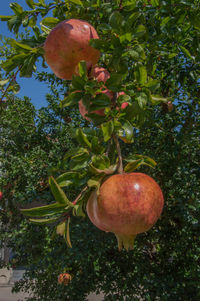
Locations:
(120, 163)
(80, 194)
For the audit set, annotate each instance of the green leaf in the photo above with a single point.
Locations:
(133, 54)
(29, 66)
(78, 2)
(16, 88)
(18, 10)
(139, 31)
(165, 21)
(67, 234)
(30, 3)
(131, 166)
(155, 2)
(82, 67)
(114, 82)
(44, 221)
(78, 82)
(4, 82)
(82, 138)
(107, 129)
(95, 183)
(186, 52)
(70, 178)
(172, 55)
(127, 133)
(5, 18)
(71, 99)
(156, 99)
(42, 3)
(44, 28)
(96, 146)
(145, 160)
(101, 101)
(80, 161)
(46, 210)
(22, 46)
(50, 22)
(153, 84)
(78, 210)
(116, 20)
(60, 229)
(101, 161)
(149, 162)
(106, 171)
(141, 99)
(58, 193)
(142, 75)
(133, 17)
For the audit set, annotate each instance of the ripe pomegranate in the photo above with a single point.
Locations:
(1, 195)
(127, 204)
(67, 44)
(64, 278)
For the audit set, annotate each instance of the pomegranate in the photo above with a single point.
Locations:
(67, 44)
(64, 278)
(127, 204)
(100, 74)
(1, 195)
(83, 110)
(124, 104)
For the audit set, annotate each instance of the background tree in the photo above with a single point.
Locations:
(151, 48)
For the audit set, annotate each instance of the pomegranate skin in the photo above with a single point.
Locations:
(127, 204)
(100, 74)
(67, 44)
(64, 278)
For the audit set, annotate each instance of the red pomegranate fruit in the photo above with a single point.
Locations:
(64, 278)
(127, 204)
(67, 44)
(1, 195)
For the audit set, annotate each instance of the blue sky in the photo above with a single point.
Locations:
(29, 86)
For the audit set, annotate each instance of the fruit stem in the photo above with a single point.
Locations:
(80, 194)
(120, 163)
(126, 242)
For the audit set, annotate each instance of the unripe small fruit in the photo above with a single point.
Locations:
(124, 105)
(100, 74)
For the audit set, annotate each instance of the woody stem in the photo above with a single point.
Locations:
(120, 163)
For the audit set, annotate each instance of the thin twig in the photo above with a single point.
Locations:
(80, 194)
(120, 163)
(120, 4)
(108, 148)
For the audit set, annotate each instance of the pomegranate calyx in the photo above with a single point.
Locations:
(126, 242)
